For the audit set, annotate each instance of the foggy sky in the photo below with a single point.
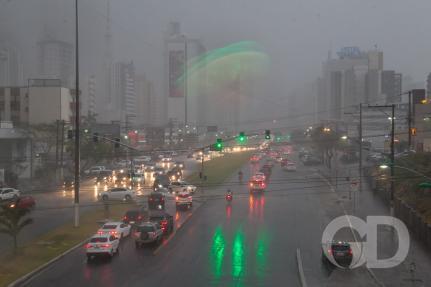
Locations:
(296, 34)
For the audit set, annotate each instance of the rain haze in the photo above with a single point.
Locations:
(280, 131)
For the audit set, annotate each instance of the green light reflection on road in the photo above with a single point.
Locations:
(238, 256)
(261, 246)
(218, 252)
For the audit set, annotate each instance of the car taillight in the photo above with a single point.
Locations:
(251, 184)
(164, 222)
(176, 198)
(329, 251)
(105, 245)
(88, 245)
(350, 251)
(139, 217)
(125, 218)
(151, 199)
(190, 198)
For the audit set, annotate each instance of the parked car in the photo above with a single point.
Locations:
(105, 244)
(156, 200)
(135, 216)
(23, 202)
(163, 218)
(147, 232)
(118, 229)
(118, 193)
(9, 193)
(183, 198)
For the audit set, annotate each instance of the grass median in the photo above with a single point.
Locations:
(48, 246)
(219, 169)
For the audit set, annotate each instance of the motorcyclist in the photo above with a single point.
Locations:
(228, 195)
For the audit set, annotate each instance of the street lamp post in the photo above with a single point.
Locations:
(77, 122)
(392, 152)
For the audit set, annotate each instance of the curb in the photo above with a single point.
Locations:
(166, 242)
(300, 268)
(27, 277)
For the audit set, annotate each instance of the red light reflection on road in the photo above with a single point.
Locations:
(228, 211)
(177, 216)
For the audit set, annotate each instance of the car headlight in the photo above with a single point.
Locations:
(160, 186)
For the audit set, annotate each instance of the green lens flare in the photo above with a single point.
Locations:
(223, 67)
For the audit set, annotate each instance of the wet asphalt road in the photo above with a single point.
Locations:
(251, 242)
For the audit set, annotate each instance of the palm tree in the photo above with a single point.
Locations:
(12, 221)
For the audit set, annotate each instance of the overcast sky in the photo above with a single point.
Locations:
(296, 34)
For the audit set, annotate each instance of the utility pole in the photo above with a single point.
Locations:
(57, 126)
(409, 120)
(360, 147)
(77, 120)
(392, 159)
(186, 80)
(61, 150)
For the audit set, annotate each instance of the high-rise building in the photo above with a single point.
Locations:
(184, 102)
(123, 105)
(392, 86)
(11, 70)
(146, 102)
(354, 77)
(55, 60)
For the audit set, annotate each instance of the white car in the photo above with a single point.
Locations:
(290, 166)
(102, 245)
(8, 193)
(118, 229)
(94, 170)
(178, 186)
(184, 198)
(118, 193)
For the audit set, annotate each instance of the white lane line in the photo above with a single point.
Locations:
(300, 268)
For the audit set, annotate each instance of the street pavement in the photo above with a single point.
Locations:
(55, 208)
(251, 242)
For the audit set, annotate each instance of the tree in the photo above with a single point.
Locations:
(12, 221)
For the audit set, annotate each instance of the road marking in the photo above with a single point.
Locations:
(300, 268)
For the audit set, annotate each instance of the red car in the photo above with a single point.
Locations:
(23, 202)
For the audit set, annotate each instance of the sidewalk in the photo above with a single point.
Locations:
(368, 203)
